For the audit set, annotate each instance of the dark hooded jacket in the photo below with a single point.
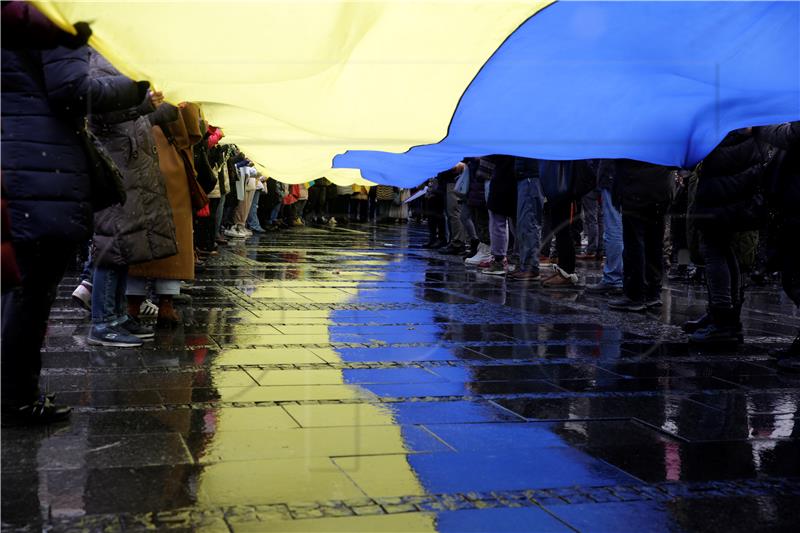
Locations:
(142, 229)
(643, 187)
(46, 94)
(730, 191)
(783, 185)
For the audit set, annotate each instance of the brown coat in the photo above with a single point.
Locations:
(174, 167)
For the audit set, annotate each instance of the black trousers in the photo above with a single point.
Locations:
(642, 257)
(25, 312)
(723, 275)
(560, 226)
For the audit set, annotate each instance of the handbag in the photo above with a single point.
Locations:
(197, 195)
(461, 187)
(105, 176)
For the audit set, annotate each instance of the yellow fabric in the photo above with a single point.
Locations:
(295, 82)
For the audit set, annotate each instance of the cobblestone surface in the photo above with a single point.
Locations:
(341, 379)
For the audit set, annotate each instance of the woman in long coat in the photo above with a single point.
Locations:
(139, 230)
(174, 143)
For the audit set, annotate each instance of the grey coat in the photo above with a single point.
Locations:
(142, 229)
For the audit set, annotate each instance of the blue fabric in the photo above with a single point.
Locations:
(661, 82)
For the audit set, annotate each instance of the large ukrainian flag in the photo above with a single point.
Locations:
(296, 82)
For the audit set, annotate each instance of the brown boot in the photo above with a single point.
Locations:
(168, 316)
(134, 304)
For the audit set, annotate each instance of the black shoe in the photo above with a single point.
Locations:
(133, 326)
(626, 304)
(473, 248)
(653, 302)
(453, 249)
(603, 288)
(714, 334)
(690, 326)
(43, 411)
(724, 328)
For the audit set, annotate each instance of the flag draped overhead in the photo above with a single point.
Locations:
(661, 82)
(297, 82)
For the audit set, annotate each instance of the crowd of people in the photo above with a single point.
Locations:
(730, 219)
(96, 162)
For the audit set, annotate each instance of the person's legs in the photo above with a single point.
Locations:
(104, 294)
(529, 223)
(467, 223)
(25, 311)
(591, 222)
(252, 218)
(717, 252)
(498, 235)
(218, 216)
(633, 257)
(612, 241)
(457, 234)
(560, 223)
(654, 257)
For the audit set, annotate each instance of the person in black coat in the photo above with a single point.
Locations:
(46, 96)
(728, 189)
(784, 198)
(645, 192)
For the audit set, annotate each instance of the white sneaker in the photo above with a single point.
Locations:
(484, 254)
(332, 222)
(236, 232)
(244, 231)
(83, 295)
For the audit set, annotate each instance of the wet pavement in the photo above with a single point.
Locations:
(342, 380)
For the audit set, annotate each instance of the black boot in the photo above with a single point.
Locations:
(473, 248)
(690, 326)
(724, 328)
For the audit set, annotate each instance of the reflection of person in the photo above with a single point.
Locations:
(45, 98)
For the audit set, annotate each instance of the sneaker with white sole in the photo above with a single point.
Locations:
(497, 268)
(236, 232)
(148, 309)
(82, 295)
(137, 329)
(483, 254)
(113, 335)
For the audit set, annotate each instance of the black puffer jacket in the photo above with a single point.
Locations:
(45, 95)
(142, 229)
(730, 183)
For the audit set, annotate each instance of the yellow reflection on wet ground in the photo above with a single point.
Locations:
(304, 452)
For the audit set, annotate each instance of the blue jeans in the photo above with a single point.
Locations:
(218, 215)
(612, 241)
(252, 217)
(108, 294)
(273, 216)
(530, 207)
(88, 267)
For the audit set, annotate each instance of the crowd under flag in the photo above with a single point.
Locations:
(396, 91)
